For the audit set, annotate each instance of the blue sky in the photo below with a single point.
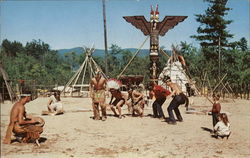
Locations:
(68, 24)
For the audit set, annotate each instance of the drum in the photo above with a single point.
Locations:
(40, 121)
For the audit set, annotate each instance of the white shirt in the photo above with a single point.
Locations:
(222, 129)
(53, 99)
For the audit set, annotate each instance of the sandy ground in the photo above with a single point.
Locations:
(75, 134)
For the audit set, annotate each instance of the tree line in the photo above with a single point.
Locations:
(36, 61)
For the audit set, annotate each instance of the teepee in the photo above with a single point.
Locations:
(84, 74)
(175, 69)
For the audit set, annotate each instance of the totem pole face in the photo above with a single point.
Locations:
(154, 15)
(154, 34)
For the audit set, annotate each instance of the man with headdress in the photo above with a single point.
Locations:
(97, 93)
(178, 98)
(28, 128)
(120, 98)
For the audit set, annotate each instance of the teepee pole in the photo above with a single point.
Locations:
(132, 58)
(187, 77)
(79, 73)
(83, 76)
(91, 69)
(72, 78)
(98, 67)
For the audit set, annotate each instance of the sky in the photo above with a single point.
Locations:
(65, 24)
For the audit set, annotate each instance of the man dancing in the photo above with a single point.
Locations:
(137, 102)
(160, 94)
(97, 93)
(120, 99)
(178, 99)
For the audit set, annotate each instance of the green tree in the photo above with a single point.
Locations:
(37, 49)
(11, 48)
(213, 25)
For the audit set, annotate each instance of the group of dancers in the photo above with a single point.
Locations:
(134, 98)
(29, 128)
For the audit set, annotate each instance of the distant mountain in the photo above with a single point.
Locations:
(101, 52)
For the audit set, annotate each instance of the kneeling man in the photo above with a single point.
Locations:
(29, 129)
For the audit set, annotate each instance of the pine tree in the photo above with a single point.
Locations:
(213, 25)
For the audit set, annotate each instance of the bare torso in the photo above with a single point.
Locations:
(17, 111)
(136, 95)
(98, 84)
(176, 90)
(17, 118)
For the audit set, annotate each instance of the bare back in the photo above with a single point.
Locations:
(98, 84)
(176, 90)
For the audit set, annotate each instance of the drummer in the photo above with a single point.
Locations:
(20, 124)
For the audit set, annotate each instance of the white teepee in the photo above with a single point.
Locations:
(78, 80)
(174, 69)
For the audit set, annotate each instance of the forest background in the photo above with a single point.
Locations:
(37, 62)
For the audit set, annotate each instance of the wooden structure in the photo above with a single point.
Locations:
(80, 80)
(154, 28)
(6, 84)
(131, 79)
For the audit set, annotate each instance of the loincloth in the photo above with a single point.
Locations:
(98, 96)
(116, 101)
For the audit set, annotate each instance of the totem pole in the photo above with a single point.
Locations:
(154, 28)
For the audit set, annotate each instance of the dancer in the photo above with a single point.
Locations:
(137, 102)
(119, 101)
(97, 93)
(178, 99)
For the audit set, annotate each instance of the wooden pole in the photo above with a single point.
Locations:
(105, 36)
(219, 82)
(219, 58)
(132, 58)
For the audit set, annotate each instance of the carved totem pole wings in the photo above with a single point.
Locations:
(140, 23)
(168, 23)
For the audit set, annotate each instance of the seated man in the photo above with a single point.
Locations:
(119, 101)
(55, 106)
(28, 128)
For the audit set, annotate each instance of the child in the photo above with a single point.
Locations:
(222, 128)
(54, 105)
(216, 108)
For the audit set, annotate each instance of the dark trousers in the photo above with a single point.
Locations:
(157, 107)
(215, 118)
(174, 104)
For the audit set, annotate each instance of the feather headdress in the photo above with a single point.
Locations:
(114, 84)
